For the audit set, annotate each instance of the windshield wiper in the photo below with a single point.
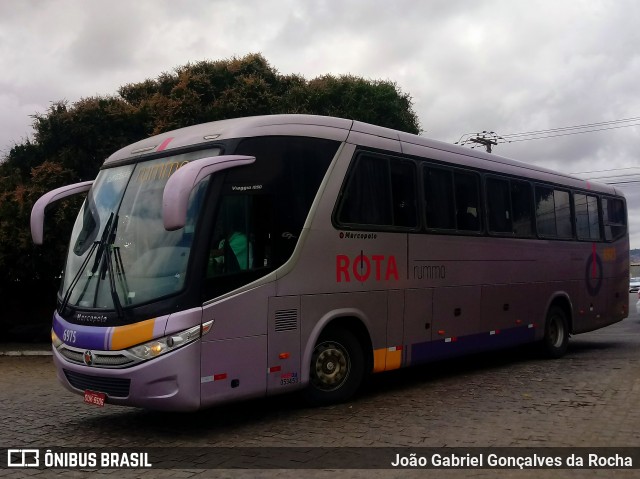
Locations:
(108, 266)
(112, 282)
(76, 278)
(124, 284)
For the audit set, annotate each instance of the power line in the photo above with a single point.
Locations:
(573, 133)
(613, 179)
(604, 171)
(587, 125)
(491, 138)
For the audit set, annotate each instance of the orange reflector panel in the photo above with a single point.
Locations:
(284, 355)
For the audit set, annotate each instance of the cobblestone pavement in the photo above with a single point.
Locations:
(589, 398)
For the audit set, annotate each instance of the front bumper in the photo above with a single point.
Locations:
(170, 382)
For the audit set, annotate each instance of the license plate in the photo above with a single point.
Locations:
(94, 398)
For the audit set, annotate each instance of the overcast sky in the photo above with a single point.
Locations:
(506, 66)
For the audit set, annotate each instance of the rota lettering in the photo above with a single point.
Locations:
(362, 268)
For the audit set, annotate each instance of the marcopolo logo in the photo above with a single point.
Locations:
(88, 358)
(23, 458)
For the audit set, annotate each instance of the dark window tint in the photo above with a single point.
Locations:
(509, 207)
(553, 213)
(467, 190)
(594, 218)
(367, 199)
(522, 208)
(237, 233)
(438, 188)
(499, 206)
(286, 176)
(614, 217)
(380, 192)
(452, 199)
(260, 209)
(563, 214)
(545, 211)
(403, 189)
(586, 211)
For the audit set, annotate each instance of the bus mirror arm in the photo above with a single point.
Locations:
(175, 197)
(39, 208)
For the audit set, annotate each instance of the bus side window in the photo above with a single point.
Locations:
(403, 190)
(380, 192)
(499, 206)
(553, 213)
(586, 210)
(563, 214)
(522, 208)
(232, 247)
(615, 218)
(367, 199)
(439, 198)
(467, 194)
(545, 212)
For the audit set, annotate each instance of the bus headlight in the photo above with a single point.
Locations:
(160, 346)
(55, 340)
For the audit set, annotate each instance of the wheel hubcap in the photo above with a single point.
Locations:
(330, 366)
(556, 332)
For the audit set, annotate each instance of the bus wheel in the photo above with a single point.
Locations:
(337, 368)
(556, 333)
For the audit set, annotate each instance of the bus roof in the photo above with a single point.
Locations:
(342, 129)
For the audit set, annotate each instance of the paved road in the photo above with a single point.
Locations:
(589, 398)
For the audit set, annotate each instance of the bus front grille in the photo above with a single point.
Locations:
(101, 359)
(114, 387)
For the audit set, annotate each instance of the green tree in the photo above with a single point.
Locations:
(71, 142)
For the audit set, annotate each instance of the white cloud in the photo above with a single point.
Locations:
(470, 66)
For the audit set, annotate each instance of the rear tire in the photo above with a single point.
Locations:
(556, 333)
(336, 369)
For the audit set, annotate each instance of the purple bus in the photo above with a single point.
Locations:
(262, 255)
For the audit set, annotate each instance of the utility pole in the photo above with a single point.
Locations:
(486, 139)
(487, 142)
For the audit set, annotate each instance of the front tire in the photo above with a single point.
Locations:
(556, 333)
(336, 369)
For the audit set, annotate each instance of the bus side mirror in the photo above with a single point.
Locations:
(38, 210)
(175, 198)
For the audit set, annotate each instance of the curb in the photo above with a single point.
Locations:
(26, 353)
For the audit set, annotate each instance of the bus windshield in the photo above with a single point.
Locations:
(120, 254)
